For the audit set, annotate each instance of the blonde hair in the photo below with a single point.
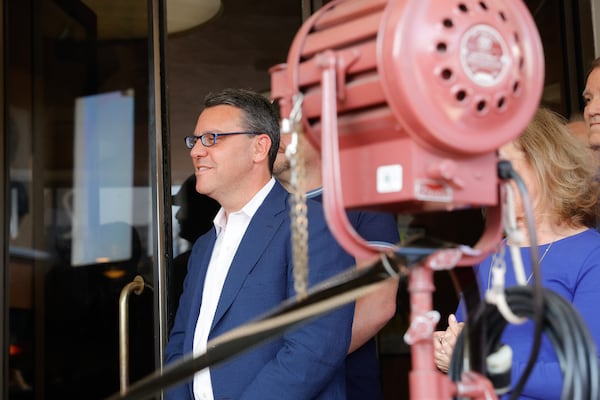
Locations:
(563, 168)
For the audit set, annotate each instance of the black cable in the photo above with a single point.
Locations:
(562, 324)
(538, 298)
(506, 171)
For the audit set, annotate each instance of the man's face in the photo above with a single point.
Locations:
(282, 167)
(221, 169)
(591, 113)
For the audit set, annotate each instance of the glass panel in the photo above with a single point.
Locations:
(81, 218)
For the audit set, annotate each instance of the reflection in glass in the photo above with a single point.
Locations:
(103, 178)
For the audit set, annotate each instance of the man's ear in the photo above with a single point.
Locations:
(262, 145)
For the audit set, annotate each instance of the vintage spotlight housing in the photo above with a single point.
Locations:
(410, 100)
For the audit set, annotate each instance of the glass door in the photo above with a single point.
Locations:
(82, 194)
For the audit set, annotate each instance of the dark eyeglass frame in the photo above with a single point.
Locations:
(190, 141)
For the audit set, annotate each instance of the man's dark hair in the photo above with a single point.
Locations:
(258, 114)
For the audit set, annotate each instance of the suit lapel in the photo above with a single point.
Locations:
(264, 224)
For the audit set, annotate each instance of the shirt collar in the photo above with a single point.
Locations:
(249, 209)
(314, 193)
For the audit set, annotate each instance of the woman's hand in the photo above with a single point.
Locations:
(444, 342)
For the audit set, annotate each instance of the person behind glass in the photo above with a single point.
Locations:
(195, 218)
(372, 311)
(243, 266)
(561, 182)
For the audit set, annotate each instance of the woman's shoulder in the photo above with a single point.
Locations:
(588, 238)
(582, 248)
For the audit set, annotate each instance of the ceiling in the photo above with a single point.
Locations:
(119, 19)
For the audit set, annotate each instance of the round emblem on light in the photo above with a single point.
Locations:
(484, 55)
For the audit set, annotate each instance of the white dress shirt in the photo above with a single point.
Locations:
(230, 230)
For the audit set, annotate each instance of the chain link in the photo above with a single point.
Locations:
(298, 210)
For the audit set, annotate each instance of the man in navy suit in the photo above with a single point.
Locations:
(243, 266)
(374, 310)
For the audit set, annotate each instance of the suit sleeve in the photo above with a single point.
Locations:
(313, 353)
(375, 227)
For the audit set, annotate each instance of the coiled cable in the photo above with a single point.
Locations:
(562, 324)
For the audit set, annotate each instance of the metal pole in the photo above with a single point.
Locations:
(159, 168)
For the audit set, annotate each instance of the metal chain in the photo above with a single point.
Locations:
(298, 211)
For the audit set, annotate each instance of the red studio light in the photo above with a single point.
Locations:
(408, 101)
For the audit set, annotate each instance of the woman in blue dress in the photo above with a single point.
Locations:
(560, 176)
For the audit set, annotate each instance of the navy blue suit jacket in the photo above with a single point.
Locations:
(305, 363)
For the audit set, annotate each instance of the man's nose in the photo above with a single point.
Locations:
(198, 149)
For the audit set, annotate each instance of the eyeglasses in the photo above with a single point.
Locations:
(210, 139)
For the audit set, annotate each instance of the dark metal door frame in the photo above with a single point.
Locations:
(159, 168)
(4, 333)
